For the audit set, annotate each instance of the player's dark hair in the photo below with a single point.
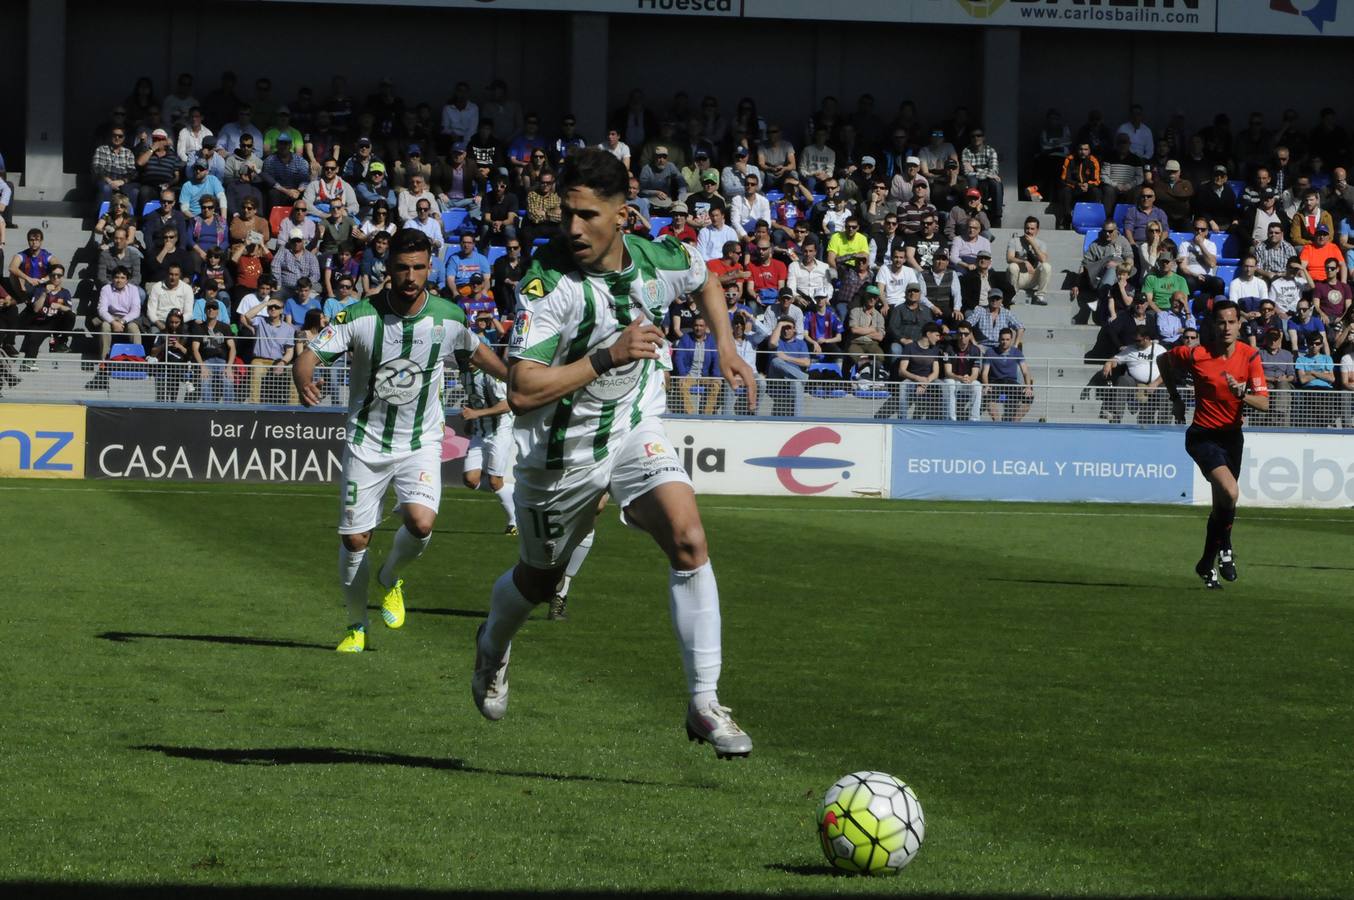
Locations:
(411, 240)
(1208, 328)
(592, 167)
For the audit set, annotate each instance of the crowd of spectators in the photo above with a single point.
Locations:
(1261, 216)
(871, 235)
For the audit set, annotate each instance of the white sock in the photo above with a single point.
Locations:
(406, 548)
(575, 563)
(694, 603)
(508, 609)
(354, 578)
(504, 495)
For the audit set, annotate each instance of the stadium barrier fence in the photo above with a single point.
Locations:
(724, 455)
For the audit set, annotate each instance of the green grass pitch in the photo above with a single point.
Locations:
(1076, 714)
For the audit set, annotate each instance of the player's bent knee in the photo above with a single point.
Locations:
(471, 481)
(688, 550)
(536, 585)
(355, 542)
(420, 521)
(495, 483)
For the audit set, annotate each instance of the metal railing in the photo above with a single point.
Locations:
(67, 379)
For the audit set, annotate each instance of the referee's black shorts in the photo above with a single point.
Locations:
(1213, 447)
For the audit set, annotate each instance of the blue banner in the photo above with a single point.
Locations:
(1040, 463)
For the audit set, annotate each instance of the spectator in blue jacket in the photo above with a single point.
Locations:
(695, 363)
(464, 262)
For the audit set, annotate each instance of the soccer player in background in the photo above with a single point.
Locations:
(586, 369)
(398, 340)
(490, 450)
(1228, 378)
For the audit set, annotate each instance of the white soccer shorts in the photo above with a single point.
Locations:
(417, 477)
(491, 455)
(556, 510)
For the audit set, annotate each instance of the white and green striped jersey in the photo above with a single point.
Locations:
(565, 314)
(395, 392)
(492, 392)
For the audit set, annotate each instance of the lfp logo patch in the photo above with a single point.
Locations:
(1318, 12)
(521, 327)
(792, 458)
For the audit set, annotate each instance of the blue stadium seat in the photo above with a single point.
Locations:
(1121, 213)
(1321, 180)
(1229, 248)
(831, 368)
(1181, 238)
(828, 393)
(819, 198)
(540, 242)
(774, 195)
(152, 206)
(1087, 217)
(658, 223)
(103, 210)
(452, 220)
(128, 370)
(871, 394)
(496, 253)
(1238, 187)
(1089, 240)
(1226, 273)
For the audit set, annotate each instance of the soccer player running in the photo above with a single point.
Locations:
(1228, 377)
(490, 450)
(585, 376)
(398, 340)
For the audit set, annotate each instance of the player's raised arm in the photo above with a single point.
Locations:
(733, 367)
(533, 384)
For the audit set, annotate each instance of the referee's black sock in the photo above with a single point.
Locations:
(1212, 540)
(1225, 520)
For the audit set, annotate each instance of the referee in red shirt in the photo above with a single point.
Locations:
(1227, 378)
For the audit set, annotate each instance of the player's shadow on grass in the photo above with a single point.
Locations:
(443, 611)
(1297, 566)
(124, 637)
(820, 870)
(324, 756)
(1068, 582)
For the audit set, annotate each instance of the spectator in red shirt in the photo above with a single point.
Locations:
(768, 274)
(680, 226)
(729, 268)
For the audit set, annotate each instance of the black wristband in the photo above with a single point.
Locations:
(601, 361)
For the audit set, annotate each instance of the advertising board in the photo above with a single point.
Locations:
(1287, 469)
(39, 441)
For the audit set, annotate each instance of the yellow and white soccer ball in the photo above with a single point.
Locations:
(870, 823)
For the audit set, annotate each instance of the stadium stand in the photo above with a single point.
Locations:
(327, 214)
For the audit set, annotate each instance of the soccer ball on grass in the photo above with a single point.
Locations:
(870, 823)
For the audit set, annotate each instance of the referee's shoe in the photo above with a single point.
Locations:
(1227, 565)
(1204, 569)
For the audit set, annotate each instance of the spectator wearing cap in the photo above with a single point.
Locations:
(1307, 219)
(294, 262)
(281, 125)
(192, 134)
(285, 174)
(666, 138)
(1280, 376)
(374, 189)
(1216, 202)
(904, 322)
(460, 116)
(707, 198)
(330, 186)
(775, 155)
(680, 226)
(159, 165)
(477, 299)
(357, 166)
(1261, 218)
(904, 182)
(969, 245)
(818, 161)
(1027, 264)
(1175, 195)
(942, 288)
(457, 184)
(216, 162)
(660, 181)
(202, 184)
(693, 174)
(1321, 250)
(114, 168)
(863, 180)
(733, 179)
(988, 323)
(402, 171)
(785, 308)
(956, 223)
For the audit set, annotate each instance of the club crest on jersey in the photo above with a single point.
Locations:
(521, 327)
(439, 332)
(653, 292)
(425, 477)
(655, 448)
(398, 382)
